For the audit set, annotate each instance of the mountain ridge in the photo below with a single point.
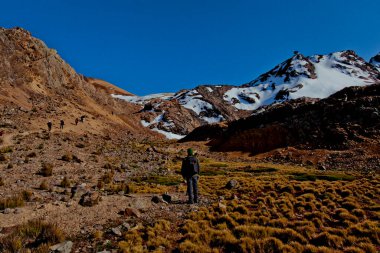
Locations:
(347, 121)
(316, 76)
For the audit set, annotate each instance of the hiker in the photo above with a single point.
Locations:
(76, 121)
(50, 125)
(62, 124)
(190, 172)
(82, 118)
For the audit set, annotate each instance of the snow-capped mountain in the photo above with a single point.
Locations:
(316, 76)
(375, 61)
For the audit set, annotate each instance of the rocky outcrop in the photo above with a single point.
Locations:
(375, 61)
(90, 199)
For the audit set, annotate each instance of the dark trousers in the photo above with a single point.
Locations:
(192, 188)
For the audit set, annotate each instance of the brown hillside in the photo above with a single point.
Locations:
(107, 87)
(36, 85)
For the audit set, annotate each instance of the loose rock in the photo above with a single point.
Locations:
(132, 212)
(231, 184)
(90, 199)
(116, 231)
(64, 247)
(156, 199)
(166, 197)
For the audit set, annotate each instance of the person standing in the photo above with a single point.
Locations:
(190, 172)
(62, 124)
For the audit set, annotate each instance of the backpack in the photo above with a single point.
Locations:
(190, 166)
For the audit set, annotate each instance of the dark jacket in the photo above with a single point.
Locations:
(190, 166)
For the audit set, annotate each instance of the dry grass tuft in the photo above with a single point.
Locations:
(46, 169)
(35, 236)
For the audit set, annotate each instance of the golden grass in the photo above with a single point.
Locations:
(35, 236)
(270, 212)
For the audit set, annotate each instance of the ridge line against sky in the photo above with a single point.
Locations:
(148, 46)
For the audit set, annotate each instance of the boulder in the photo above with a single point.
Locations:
(232, 184)
(156, 199)
(166, 197)
(116, 231)
(64, 247)
(90, 199)
(126, 226)
(129, 211)
(78, 190)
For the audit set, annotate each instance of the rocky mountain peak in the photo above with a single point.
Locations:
(315, 77)
(375, 61)
(296, 66)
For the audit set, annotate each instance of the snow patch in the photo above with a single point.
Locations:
(192, 100)
(168, 135)
(144, 99)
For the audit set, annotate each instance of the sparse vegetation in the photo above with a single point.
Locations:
(35, 236)
(328, 177)
(65, 182)
(12, 202)
(46, 169)
(273, 213)
(6, 150)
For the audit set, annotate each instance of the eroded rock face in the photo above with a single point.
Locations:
(27, 61)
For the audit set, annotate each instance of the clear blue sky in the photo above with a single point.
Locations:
(149, 46)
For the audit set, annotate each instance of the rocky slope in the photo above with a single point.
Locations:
(349, 119)
(36, 85)
(316, 76)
